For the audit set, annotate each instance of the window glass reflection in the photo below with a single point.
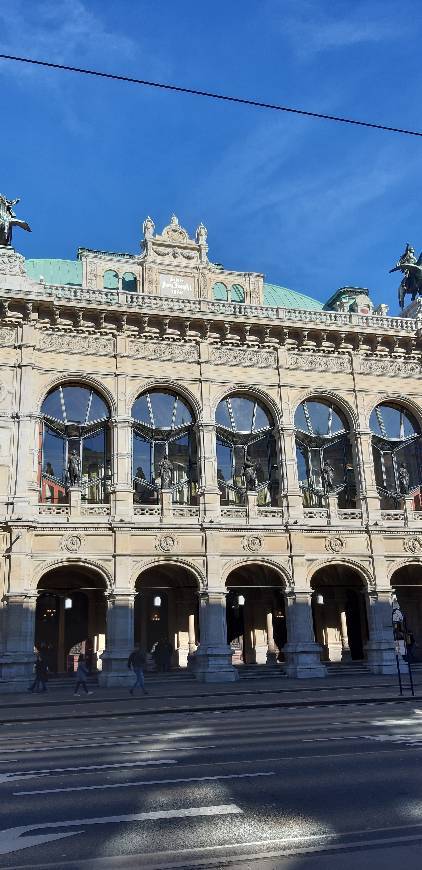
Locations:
(163, 433)
(245, 436)
(75, 418)
(324, 455)
(396, 449)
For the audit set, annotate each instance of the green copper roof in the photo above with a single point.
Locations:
(282, 297)
(55, 271)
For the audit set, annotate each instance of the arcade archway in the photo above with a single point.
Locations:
(406, 583)
(255, 613)
(339, 613)
(70, 617)
(166, 611)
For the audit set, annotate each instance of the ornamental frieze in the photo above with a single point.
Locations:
(397, 368)
(243, 357)
(318, 362)
(7, 335)
(162, 350)
(76, 342)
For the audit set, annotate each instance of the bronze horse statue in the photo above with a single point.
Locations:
(412, 271)
(8, 220)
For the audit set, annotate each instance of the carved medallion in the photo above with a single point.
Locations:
(413, 545)
(253, 543)
(72, 543)
(335, 545)
(165, 543)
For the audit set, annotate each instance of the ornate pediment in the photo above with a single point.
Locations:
(174, 245)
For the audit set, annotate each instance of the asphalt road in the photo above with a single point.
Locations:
(318, 788)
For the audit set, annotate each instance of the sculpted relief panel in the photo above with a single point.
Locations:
(397, 368)
(80, 343)
(318, 362)
(243, 357)
(162, 350)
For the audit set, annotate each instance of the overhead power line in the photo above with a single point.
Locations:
(211, 95)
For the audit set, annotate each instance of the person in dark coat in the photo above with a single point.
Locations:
(81, 675)
(41, 676)
(136, 662)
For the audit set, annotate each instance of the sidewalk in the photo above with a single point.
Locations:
(171, 695)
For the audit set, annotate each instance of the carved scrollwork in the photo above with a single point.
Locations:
(335, 545)
(391, 367)
(73, 341)
(72, 543)
(413, 545)
(174, 352)
(165, 543)
(252, 543)
(319, 362)
(243, 357)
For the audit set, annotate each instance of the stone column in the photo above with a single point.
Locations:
(119, 640)
(209, 493)
(26, 436)
(302, 654)
(272, 650)
(75, 494)
(380, 647)
(212, 661)
(370, 499)
(345, 648)
(121, 490)
(17, 657)
(287, 440)
(192, 633)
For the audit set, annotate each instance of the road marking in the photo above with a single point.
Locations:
(144, 783)
(34, 774)
(10, 838)
(104, 745)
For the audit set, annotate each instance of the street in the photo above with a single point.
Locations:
(317, 787)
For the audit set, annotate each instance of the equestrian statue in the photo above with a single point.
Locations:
(8, 220)
(412, 271)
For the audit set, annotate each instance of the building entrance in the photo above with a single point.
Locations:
(70, 618)
(407, 586)
(166, 615)
(255, 613)
(339, 613)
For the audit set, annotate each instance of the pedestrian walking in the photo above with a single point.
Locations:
(41, 676)
(81, 675)
(136, 661)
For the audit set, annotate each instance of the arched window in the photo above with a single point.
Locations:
(219, 292)
(237, 293)
(129, 283)
(163, 430)
(324, 454)
(396, 449)
(110, 280)
(245, 435)
(75, 419)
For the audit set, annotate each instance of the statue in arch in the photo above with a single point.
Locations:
(404, 479)
(250, 475)
(73, 469)
(8, 220)
(166, 473)
(328, 476)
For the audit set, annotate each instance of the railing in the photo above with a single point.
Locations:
(95, 510)
(54, 510)
(144, 510)
(350, 515)
(233, 512)
(275, 512)
(392, 516)
(182, 510)
(142, 301)
(315, 514)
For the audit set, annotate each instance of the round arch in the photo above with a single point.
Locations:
(339, 608)
(72, 561)
(71, 613)
(363, 572)
(167, 385)
(255, 610)
(407, 403)
(166, 611)
(160, 561)
(83, 380)
(251, 561)
(330, 397)
(254, 392)
(405, 578)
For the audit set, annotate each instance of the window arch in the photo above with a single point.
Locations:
(396, 450)
(219, 292)
(110, 280)
(237, 293)
(245, 435)
(129, 282)
(163, 429)
(324, 454)
(75, 418)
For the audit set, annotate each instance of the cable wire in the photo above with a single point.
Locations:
(212, 96)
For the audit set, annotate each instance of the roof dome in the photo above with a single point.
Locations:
(282, 297)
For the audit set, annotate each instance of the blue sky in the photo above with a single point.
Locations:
(312, 204)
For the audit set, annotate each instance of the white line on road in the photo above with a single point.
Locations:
(144, 783)
(58, 747)
(34, 774)
(10, 838)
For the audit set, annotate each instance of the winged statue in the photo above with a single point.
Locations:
(8, 220)
(412, 271)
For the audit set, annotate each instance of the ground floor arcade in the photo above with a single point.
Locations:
(251, 617)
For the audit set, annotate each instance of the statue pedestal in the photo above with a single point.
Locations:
(12, 268)
(251, 504)
(166, 504)
(75, 501)
(413, 310)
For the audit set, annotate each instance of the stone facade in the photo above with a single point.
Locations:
(123, 344)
